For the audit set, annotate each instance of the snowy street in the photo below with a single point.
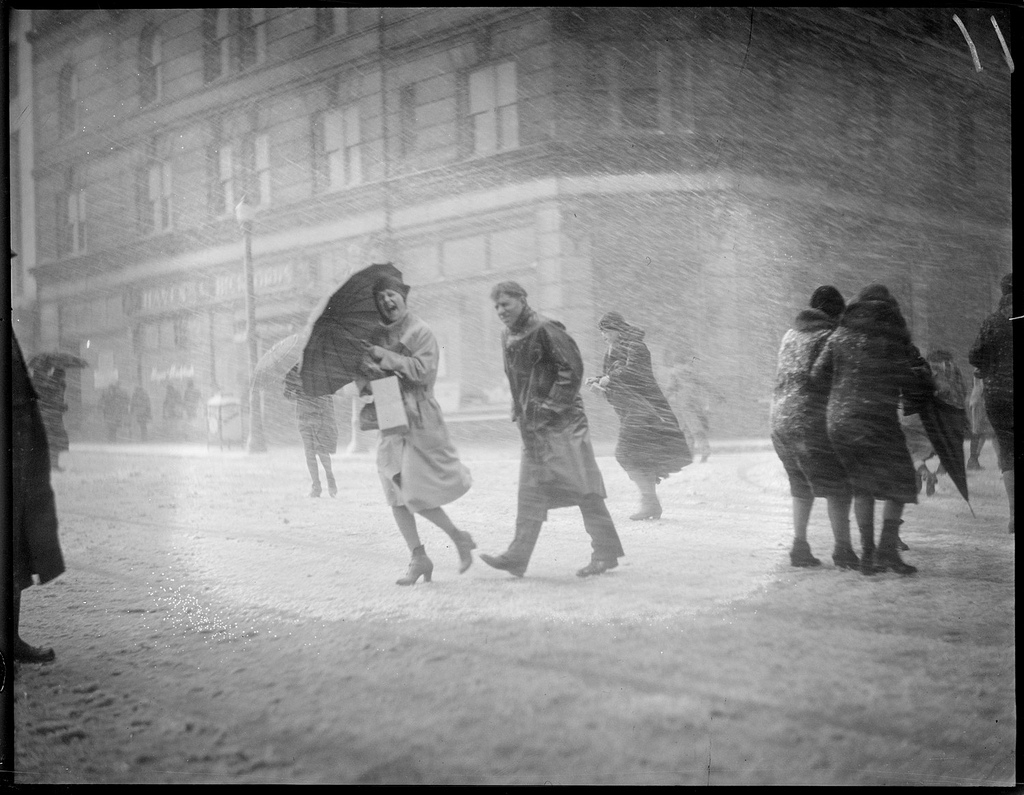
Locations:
(216, 625)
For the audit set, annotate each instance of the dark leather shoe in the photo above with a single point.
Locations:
(801, 557)
(597, 566)
(505, 564)
(900, 545)
(845, 558)
(891, 561)
(32, 654)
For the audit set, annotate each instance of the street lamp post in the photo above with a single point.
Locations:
(256, 442)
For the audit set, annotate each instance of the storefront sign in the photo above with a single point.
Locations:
(204, 291)
(265, 280)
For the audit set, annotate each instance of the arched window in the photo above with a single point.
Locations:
(68, 102)
(150, 66)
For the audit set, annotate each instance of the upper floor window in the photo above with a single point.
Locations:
(68, 102)
(242, 170)
(71, 223)
(330, 22)
(252, 36)
(224, 200)
(158, 210)
(338, 148)
(216, 43)
(493, 108)
(150, 66)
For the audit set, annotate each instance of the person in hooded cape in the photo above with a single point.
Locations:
(650, 445)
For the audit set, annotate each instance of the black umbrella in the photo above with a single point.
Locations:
(339, 329)
(52, 359)
(945, 426)
(277, 361)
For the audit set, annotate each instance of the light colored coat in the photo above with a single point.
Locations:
(419, 468)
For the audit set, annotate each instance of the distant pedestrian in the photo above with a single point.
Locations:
(981, 428)
(800, 433)
(191, 400)
(172, 410)
(558, 468)
(318, 428)
(992, 356)
(115, 402)
(36, 548)
(690, 395)
(140, 410)
(650, 445)
(419, 468)
(869, 365)
(51, 386)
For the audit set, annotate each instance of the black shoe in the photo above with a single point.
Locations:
(891, 561)
(597, 566)
(32, 654)
(800, 555)
(505, 564)
(845, 558)
(867, 564)
(900, 545)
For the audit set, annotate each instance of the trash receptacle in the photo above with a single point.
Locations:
(224, 421)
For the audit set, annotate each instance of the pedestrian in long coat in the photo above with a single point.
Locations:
(115, 402)
(36, 548)
(869, 365)
(558, 467)
(650, 445)
(318, 429)
(141, 410)
(800, 434)
(420, 468)
(51, 387)
(992, 356)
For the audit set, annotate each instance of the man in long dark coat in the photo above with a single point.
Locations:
(35, 545)
(558, 468)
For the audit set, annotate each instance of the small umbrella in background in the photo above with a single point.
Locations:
(48, 361)
(339, 328)
(275, 363)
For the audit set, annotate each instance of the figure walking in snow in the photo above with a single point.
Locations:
(318, 429)
(868, 365)
(419, 468)
(800, 434)
(558, 468)
(650, 445)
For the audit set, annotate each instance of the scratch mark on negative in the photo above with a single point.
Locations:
(1006, 50)
(970, 44)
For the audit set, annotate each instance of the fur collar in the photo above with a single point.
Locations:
(814, 320)
(876, 318)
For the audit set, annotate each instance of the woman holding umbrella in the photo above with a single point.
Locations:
(419, 468)
(651, 445)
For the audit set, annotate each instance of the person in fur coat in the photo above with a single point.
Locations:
(869, 365)
(799, 431)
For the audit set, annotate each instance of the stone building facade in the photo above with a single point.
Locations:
(699, 170)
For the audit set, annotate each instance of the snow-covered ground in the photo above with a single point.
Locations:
(217, 625)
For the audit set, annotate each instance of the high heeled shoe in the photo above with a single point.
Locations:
(332, 487)
(464, 545)
(647, 511)
(419, 566)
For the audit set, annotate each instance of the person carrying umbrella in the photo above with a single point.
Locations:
(419, 468)
(867, 366)
(650, 445)
(992, 356)
(558, 467)
(318, 429)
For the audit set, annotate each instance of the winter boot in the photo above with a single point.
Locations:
(419, 565)
(888, 556)
(800, 555)
(844, 557)
(867, 550)
(21, 651)
(465, 545)
(650, 508)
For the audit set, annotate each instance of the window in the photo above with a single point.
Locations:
(493, 111)
(216, 43)
(159, 196)
(261, 173)
(68, 102)
(150, 66)
(223, 200)
(338, 148)
(330, 22)
(407, 119)
(638, 89)
(252, 36)
(71, 228)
